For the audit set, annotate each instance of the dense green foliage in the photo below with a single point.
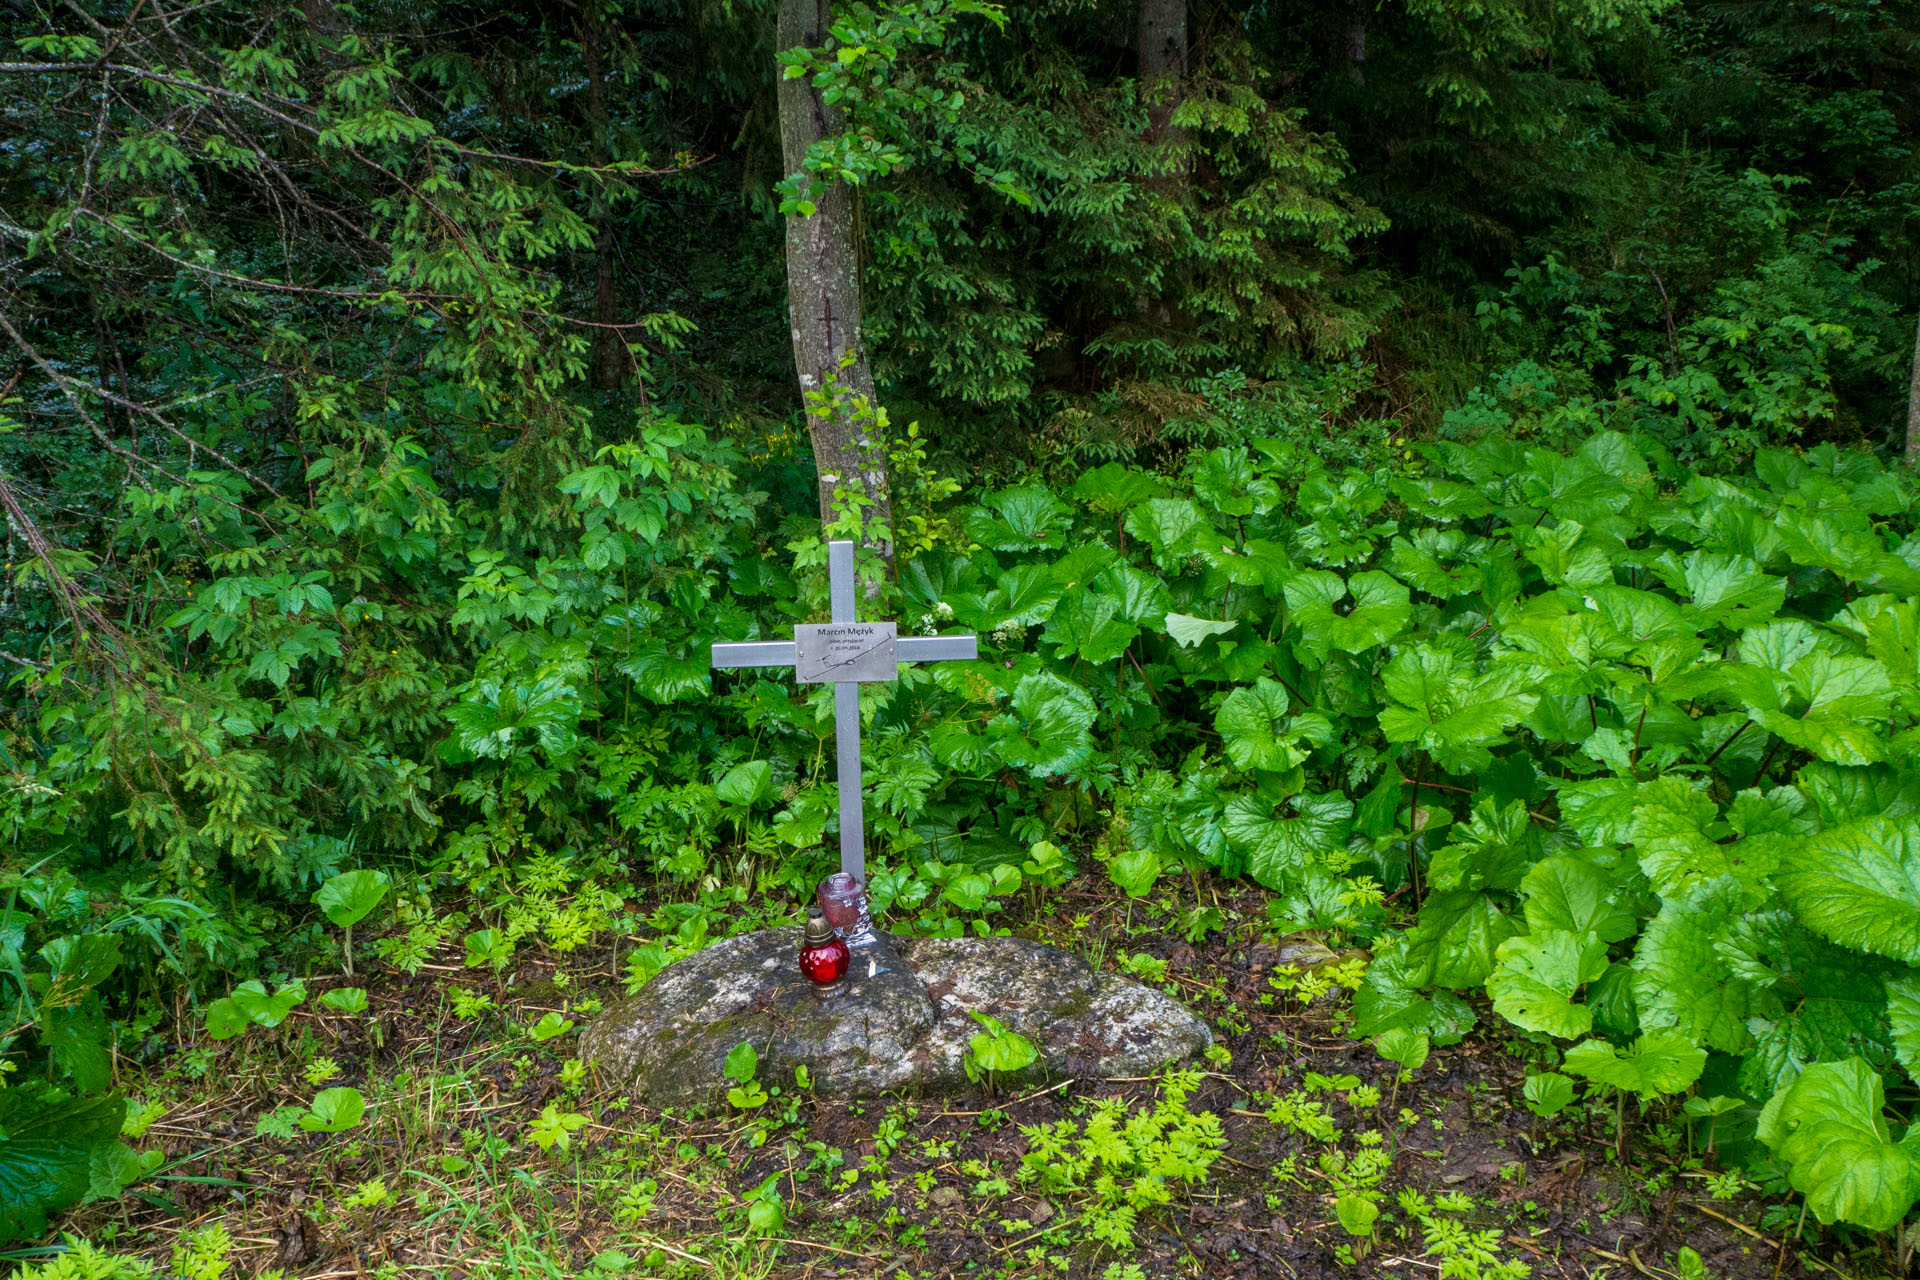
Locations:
(1440, 476)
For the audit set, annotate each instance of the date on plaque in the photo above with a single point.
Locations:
(846, 652)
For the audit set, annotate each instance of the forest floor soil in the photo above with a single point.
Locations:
(447, 1178)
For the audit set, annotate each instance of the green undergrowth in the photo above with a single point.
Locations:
(1625, 746)
(420, 1141)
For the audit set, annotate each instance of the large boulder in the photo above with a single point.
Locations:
(901, 1020)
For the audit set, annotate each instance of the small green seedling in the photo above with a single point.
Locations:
(743, 1063)
(251, 1005)
(347, 899)
(550, 1025)
(1359, 1216)
(1710, 1110)
(345, 999)
(554, 1128)
(766, 1216)
(334, 1110)
(1547, 1094)
(489, 947)
(995, 1050)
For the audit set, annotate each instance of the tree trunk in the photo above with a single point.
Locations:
(609, 346)
(1913, 406)
(1163, 64)
(1356, 42)
(823, 301)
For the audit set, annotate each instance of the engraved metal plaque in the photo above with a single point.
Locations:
(836, 652)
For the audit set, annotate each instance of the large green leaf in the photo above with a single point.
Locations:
(1173, 527)
(48, 1140)
(1088, 624)
(1276, 850)
(1903, 1015)
(1315, 599)
(1724, 590)
(1257, 734)
(1574, 896)
(1455, 940)
(1492, 851)
(1533, 981)
(1662, 1061)
(746, 783)
(1019, 519)
(1681, 979)
(1859, 884)
(1442, 704)
(1190, 632)
(1827, 1128)
(1047, 733)
(1114, 488)
(349, 896)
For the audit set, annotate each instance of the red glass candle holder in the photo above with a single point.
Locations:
(824, 957)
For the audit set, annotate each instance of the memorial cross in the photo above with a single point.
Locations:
(846, 653)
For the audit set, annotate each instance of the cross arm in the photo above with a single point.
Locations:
(937, 648)
(755, 653)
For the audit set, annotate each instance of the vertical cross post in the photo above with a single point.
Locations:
(844, 592)
(846, 653)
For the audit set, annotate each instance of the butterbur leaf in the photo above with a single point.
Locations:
(1574, 896)
(1859, 885)
(1380, 609)
(1275, 849)
(1135, 871)
(1662, 1061)
(1903, 1014)
(1019, 519)
(1190, 632)
(1681, 978)
(1724, 590)
(1047, 732)
(746, 784)
(1547, 1094)
(1405, 1046)
(47, 1152)
(252, 1000)
(349, 896)
(743, 1062)
(1827, 1128)
(225, 1019)
(1456, 938)
(1088, 624)
(345, 999)
(1535, 976)
(1252, 727)
(1114, 488)
(335, 1110)
(1173, 527)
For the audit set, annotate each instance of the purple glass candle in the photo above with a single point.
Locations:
(843, 900)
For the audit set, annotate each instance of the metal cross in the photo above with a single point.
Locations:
(846, 653)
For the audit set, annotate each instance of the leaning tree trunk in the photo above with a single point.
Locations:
(1913, 406)
(823, 300)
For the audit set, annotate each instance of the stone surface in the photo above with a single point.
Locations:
(902, 1022)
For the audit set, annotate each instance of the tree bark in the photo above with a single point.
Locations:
(1913, 406)
(1163, 64)
(609, 347)
(823, 301)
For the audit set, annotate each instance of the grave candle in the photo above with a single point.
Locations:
(823, 956)
(843, 900)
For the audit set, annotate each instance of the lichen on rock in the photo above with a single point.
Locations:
(902, 1020)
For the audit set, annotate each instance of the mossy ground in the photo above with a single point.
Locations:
(447, 1178)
